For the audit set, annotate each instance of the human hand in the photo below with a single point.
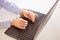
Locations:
(19, 23)
(28, 14)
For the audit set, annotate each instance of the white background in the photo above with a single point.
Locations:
(42, 6)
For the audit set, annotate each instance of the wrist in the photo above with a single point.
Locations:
(11, 22)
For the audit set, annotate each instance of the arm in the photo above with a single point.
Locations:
(5, 23)
(10, 6)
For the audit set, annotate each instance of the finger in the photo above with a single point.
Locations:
(22, 12)
(19, 25)
(22, 27)
(28, 15)
(23, 22)
(32, 15)
(20, 22)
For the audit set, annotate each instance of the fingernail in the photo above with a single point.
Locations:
(25, 20)
(21, 19)
(25, 25)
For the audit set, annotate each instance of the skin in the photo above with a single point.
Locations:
(21, 23)
(28, 14)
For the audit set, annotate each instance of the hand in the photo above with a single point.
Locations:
(28, 14)
(19, 23)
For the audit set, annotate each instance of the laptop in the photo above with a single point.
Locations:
(43, 7)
